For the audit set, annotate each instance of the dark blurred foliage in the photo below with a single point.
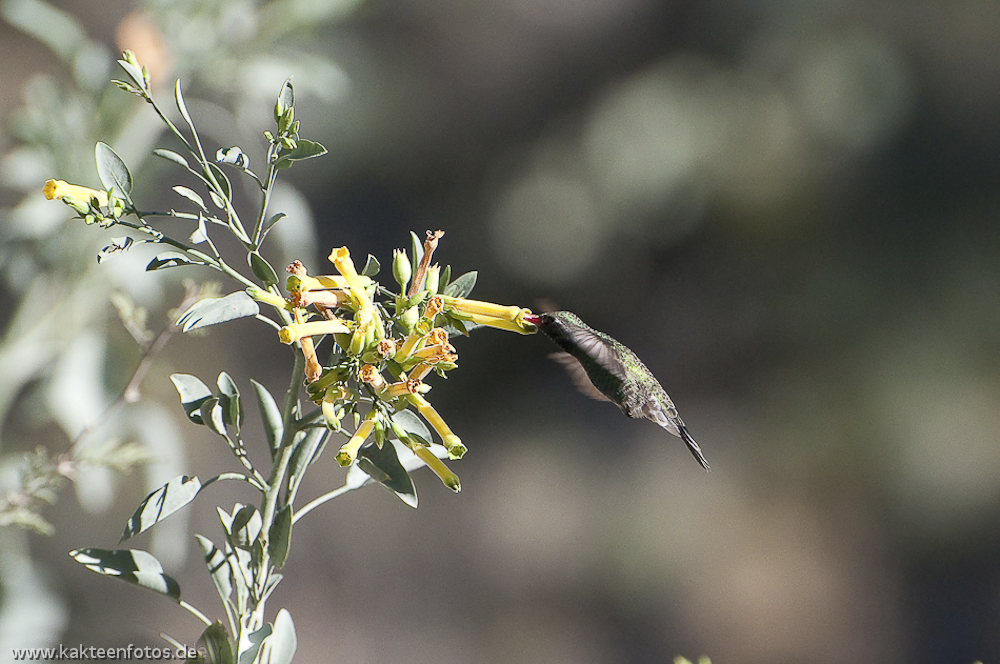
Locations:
(789, 210)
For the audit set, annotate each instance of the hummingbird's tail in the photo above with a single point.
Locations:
(693, 446)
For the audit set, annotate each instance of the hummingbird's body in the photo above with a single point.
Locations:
(617, 373)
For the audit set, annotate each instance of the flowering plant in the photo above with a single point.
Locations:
(384, 344)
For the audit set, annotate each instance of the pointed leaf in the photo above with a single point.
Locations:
(212, 311)
(160, 504)
(218, 566)
(191, 195)
(271, 221)
(249, 654)
(280, 536)
(211, 415)
(271, 416)
(130, 565)
(181, 106)
(193, 394)
(169, 259)
(170, 155)
(247, 525)
(383, 466)
(217, 645)
(117, 246)
(303, 150)
(413, 426)
(445, 279)
(262, 269)
(286, 99)
(416, 255)
(134, 72)
(306, 451)
(113, 171)
(372, 267)
(225, 187)
(282, 642)
(462, 286)
(229, 400)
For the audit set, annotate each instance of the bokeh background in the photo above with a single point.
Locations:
(789, 210)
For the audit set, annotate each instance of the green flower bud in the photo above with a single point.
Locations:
(401, 268)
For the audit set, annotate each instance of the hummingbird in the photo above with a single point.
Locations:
(608, 370)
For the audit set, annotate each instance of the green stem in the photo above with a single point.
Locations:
(313, 504)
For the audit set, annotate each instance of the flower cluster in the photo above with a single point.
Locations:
(384, 349)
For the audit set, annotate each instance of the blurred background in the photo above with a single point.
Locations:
(787, 209)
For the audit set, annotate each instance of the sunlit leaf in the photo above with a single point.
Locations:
(414, 427)
(229, 400)
(160, 504)
(383, 466)
(112, 170)
(286, 99)
(303, 150)
(262, 269)
(117, 246)
(218, 566)
(463, 285)
(217, 646)
(280, 536)
(246, 527)
(372, 267)
(170, 155)
(193, 394)
(271, 416)
(169, 259)
(212, 311)
(282, 642)
(130, 565)
(191, 195)
(306, 451)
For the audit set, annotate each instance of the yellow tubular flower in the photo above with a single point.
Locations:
(452, 442)
(331, 299)
(438, 336)
(490, 314)
(449, 478)
(293, 332)
(267, 297)
(386, 348)
(414, 341)
(306, 283)
(341, 259)
(349, 452)
(435, 305)
(402, 388)
(420, 371)
(371, 375)
(330, 414)
(59, 189)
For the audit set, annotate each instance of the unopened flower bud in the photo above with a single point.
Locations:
(401, 268)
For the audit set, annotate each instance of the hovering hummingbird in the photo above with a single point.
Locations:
(595, 360)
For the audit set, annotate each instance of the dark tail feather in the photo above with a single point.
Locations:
(693, 446)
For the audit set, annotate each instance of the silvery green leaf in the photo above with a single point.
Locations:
(170, 155)
(112, 170)
(463, 285)
(193, 394)
(169, 259)
(191, 195)
(212, 311)
(130, 565)
(282, 642)
(271, 416)
(160, 504)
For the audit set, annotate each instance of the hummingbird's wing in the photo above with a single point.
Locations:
(578, 375)
(597, 349)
